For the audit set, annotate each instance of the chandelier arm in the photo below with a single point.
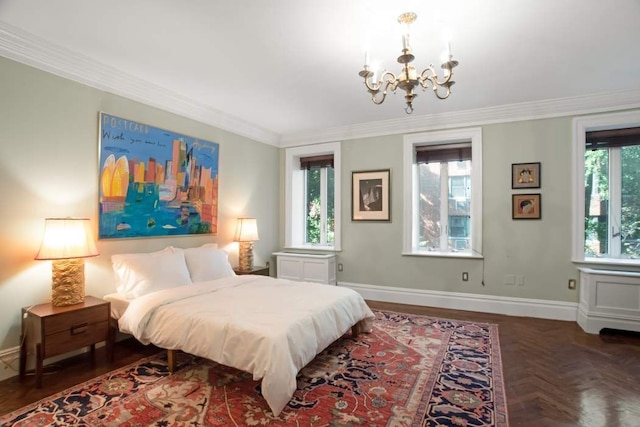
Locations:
(424, 78)
(446, 80)
(387, 78)
(436, 87)
(389, 84)
(424, 81)
(448, 67)
(436, 92)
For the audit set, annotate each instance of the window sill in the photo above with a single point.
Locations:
(436, 254)
(312, 248)
(608, 262)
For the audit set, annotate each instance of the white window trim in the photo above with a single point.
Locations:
(294, 195)
(410, 184)
(582, 125)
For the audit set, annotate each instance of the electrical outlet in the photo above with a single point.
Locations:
(572, 283)
(520, 280)
(465, 276)
(340, 267)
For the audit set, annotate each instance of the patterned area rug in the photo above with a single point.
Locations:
(410, 371)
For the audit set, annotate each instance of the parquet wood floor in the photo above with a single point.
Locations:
(555, 374)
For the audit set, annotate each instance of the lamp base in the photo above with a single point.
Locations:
(67, 284)
(245, 256)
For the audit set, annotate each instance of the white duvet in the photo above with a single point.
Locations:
(269, 327)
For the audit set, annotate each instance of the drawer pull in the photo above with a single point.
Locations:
(79, 329)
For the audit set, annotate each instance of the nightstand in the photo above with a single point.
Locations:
(260, 271)
(49, 331)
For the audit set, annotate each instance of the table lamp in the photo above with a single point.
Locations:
(246, 234)
(67, 241)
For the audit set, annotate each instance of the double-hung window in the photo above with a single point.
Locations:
(443, 207)
(319, 200)
(612, 191)
(609, 212)
(312, 214)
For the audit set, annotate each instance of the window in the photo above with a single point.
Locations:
(319, 199)
(443, 175)
(607, 224)
(312, 214)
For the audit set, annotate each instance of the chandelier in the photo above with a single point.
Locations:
(409, 79)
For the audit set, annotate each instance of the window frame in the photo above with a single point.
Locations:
(582, 125)
(295, 196)
(410, 184)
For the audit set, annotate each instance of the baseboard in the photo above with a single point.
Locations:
(9, 362)
(526, 307)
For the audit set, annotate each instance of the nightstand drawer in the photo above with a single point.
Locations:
(76, 336)
(72, 320)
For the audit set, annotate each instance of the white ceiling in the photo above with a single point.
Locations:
(289, 68)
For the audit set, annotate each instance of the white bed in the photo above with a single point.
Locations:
(268, 327)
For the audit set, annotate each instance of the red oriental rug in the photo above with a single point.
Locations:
(410, 371)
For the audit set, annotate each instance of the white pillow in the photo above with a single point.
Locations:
(207, 263)
(142, 273)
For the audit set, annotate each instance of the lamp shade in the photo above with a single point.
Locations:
(66, 238)
(246, 230)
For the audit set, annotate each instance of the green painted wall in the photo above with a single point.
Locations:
(49, 167)
(538, 250)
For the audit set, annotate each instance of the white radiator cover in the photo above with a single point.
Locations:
(318, 268)
(609, 299)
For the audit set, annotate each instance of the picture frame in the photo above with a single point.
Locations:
(154, 182)
(371, 195)
(525, 175)
(526, 206)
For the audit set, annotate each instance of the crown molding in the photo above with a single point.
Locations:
(39, 53)
(560, 107)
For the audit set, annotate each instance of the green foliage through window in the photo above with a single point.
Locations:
(320, 223)
(612, 211)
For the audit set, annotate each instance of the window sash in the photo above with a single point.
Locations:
(614, 205)
(324, 207)
(445, 179)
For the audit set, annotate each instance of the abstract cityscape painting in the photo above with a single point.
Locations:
(154, 182)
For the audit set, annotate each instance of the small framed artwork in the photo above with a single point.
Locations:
(525, 175)
(526, 206)
(370, 194)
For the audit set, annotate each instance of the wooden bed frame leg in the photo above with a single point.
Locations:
(171, 360)
(356, 329)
